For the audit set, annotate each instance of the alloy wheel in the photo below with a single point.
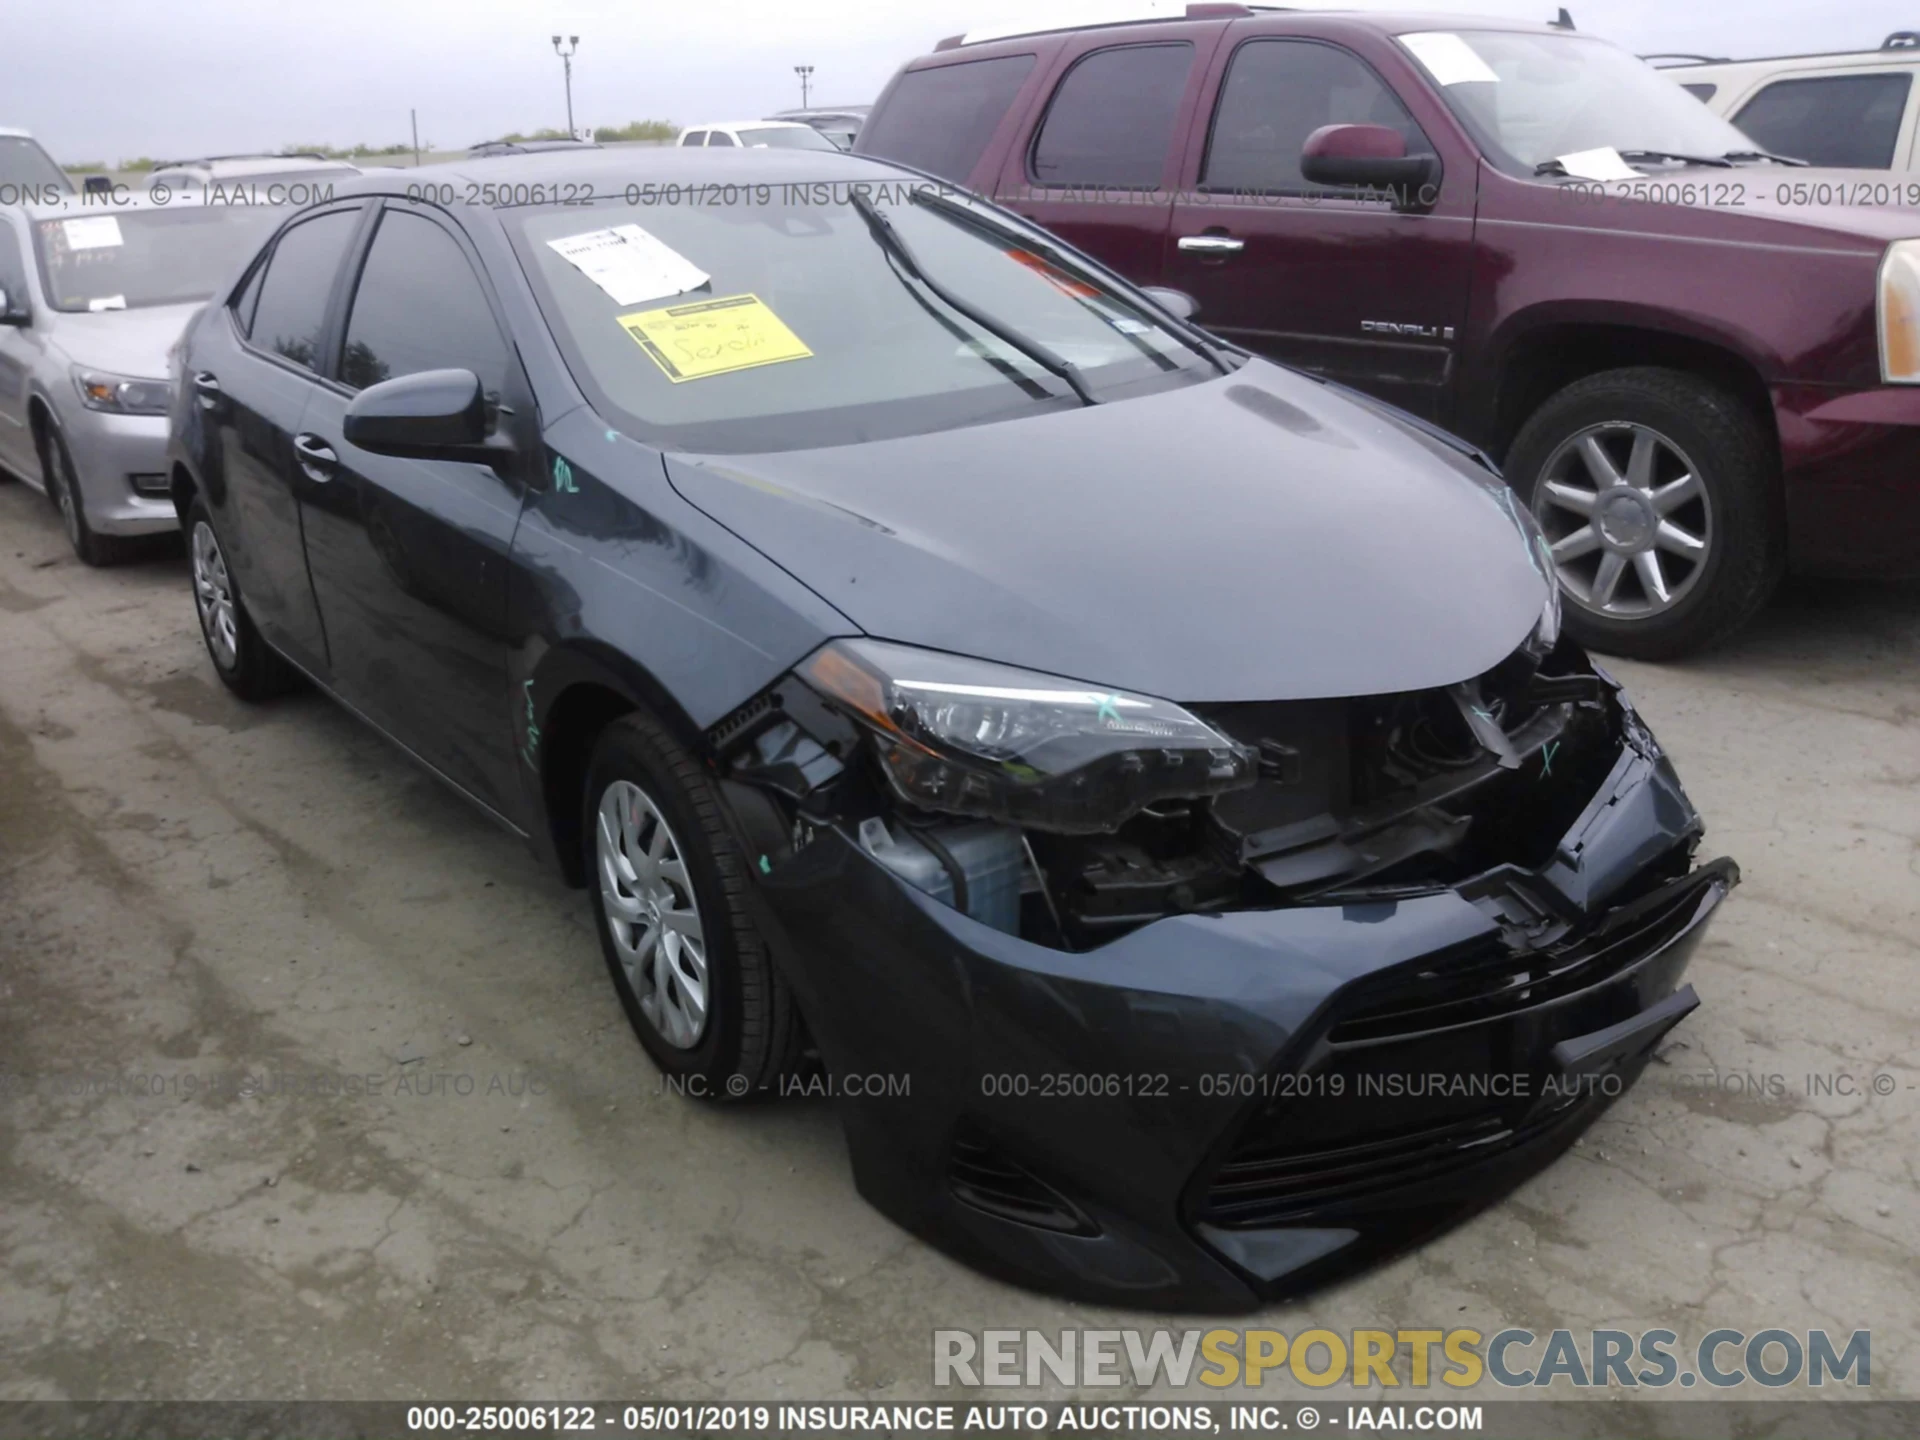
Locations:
(652, 913)
(213, 596)
(1629, 521)
(64, 497)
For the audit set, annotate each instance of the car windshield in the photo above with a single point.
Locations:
(781, 137)
(28, 172)
(124, 259)
(1538, 97)
(809, 333)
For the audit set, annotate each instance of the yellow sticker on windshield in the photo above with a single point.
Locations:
(713, 337)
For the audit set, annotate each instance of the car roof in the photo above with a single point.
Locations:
(240, 166)
(17, 134)
(749, 125)
(610, 171)
(1210, 14)
(80, 206)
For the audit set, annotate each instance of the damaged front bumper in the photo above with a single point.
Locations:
(1215, 1109)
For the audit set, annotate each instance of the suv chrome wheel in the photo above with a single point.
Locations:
(213, 596)
(1628, 519)
(652, 914)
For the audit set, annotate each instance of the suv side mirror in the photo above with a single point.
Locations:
(1371, 156)
(13, 309)
(434, 415)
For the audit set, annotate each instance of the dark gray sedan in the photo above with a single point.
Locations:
(1114, 766)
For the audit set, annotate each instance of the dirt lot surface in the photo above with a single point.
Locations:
(191, 889)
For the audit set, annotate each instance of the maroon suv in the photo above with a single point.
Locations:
(1700, 372)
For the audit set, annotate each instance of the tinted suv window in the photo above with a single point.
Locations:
(292, 309)
(1277, 93)
(694, 137)
(719, 137)
(419, 307)
(1851, 121)
(941, 119)
(1111, 120)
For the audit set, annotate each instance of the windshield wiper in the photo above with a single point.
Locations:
(1717, 161)
(1194, 338)
(1764, 155)
(1037, 351)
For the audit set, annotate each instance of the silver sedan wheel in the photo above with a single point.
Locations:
(1628, 519)
(652, 913)
(213, 595)
(61, 481)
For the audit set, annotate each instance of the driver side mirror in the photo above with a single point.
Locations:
(1372, 157)
(13, 309)
(433, 415)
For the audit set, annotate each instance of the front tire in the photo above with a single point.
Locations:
(668, 887)
(63, 489)
(1657, 492)
(245, 663)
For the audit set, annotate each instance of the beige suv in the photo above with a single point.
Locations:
(1851, 110)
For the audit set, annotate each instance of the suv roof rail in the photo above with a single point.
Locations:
(249, 155)
(1684, 58)
(1902, 40)
(1195, 10)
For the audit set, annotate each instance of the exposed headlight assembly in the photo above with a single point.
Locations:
(1899, 313)
(122, 394)
(967, 737)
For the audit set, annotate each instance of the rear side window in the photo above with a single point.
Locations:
(248, 297)
(694, 137)
(1277, 93)
(291, 313)
(1702, 91)
(719, 137)
(1850, 121)
(419, 306)
(941, 119)
(1111, 120)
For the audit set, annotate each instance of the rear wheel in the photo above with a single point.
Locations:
(669, 893)
(1655, 490)
(245, 663)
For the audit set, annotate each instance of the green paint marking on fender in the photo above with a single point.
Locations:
(563, 476)
(1109, 709)
(765, 868)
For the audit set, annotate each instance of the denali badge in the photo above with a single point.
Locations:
(1418, 332)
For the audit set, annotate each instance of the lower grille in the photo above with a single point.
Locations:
(980, 1176)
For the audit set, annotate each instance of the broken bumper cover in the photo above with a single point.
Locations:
(1212, 1111)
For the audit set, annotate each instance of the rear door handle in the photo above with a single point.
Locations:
(316, 457)
(1212, 244)
(207, 386)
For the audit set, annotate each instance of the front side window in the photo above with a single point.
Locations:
(289, 318)
(13, 270)
(28, 172)
(694, 137)
(719, 137)
(784, 137)
(809, 333)
(1276, 94)
(1111, 121)
(104, 259)
(1532, 97)
(1848, 121)
(940, 119)
(419, 306)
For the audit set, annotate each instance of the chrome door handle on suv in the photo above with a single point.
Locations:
(1212, 244)
(316, 457)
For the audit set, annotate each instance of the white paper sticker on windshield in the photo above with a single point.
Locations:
(108, 302)
(1602, 164)
(630, 264)
(1448, 58)
(96, 232)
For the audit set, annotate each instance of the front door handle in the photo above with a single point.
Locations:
(1212, 244)
(316, 457)
(206, 385)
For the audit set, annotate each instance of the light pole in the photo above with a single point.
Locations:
(566, 59)
(805, 72)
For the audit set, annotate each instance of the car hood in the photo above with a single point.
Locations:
(127, 342)
(1257, 536)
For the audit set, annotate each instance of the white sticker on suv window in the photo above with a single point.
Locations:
(96, 232)
(1448, 58)
(630, 264)
(1602, 164)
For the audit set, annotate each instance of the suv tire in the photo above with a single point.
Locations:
(669, 889)
(1649, 480)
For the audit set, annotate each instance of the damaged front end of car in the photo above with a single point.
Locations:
(1192, 1005)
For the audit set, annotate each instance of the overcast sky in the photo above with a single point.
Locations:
(118, 78)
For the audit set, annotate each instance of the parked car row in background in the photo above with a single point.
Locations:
(1693, 396)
